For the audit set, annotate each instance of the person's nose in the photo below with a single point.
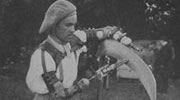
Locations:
(72, 29)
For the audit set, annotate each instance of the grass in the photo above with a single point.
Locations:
(13, 87)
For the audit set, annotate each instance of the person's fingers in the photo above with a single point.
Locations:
(126, 40)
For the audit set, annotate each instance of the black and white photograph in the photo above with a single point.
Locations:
(89, 50)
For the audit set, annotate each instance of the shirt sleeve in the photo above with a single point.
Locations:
(34, 79)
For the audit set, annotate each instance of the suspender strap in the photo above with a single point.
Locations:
(61, 77)
(43, 60)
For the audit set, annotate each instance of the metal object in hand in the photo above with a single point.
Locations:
(104, 71)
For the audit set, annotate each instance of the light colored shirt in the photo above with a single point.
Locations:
(69, 66)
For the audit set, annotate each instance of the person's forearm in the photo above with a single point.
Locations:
(101, 33)
(91, 34)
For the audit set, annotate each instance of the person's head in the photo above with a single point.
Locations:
(60, 20)
(64, 29)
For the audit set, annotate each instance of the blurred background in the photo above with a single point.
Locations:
(141, 19)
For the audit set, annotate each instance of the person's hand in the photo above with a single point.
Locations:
(126, 40)
(106, 32)
(83, 83)
(118, 35)
(109, 30)
(59, 89)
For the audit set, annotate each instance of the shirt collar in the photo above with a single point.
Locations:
(62, 48)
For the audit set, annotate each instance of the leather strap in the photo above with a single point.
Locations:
(61, 77)
(43, 60)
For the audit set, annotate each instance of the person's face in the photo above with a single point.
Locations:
(65, 29)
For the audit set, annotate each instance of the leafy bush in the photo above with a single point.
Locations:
(21, 19)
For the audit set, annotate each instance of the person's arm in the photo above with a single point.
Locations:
(101, 33)
(68, 92)
(34, 78)
(95, 34)
(36, 83)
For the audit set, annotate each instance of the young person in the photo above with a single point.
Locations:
(53, 66)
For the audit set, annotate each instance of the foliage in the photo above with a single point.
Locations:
(159, 14)
(18, 28)
(21, 19)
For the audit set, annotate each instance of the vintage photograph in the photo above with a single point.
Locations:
(89, 50)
